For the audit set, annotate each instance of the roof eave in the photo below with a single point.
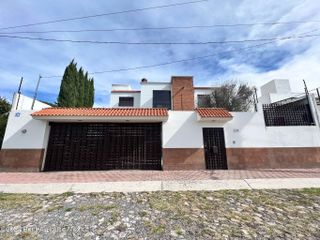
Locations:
(102, 118)
(213, 119)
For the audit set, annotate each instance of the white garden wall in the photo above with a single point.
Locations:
(24, 132)
(182, 130)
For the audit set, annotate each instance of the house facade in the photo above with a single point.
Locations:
(161, 126)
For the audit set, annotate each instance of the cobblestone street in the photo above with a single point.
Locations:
(243, 214)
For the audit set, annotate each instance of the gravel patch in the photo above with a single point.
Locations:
(233, 214)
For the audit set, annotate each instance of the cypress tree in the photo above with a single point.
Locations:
(91, 92)
(80, 87)
(76, 89)
(67, 96)
(86, 91)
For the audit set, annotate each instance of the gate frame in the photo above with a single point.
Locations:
(225, 149)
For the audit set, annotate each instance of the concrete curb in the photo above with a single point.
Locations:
(146, 186)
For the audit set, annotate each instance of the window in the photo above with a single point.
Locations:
(203, 100)
(125, 101)
(162, 99)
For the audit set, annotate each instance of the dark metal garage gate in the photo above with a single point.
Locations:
(104, 146)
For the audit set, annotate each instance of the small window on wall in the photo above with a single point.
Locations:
(162, 99)
(203, 100)
(125, 101)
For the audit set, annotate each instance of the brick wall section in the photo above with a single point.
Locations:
(183, 159)
(24, 160)
(290, 157)
(182, 93)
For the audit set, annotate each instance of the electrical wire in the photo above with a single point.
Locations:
(161, 28)
(169, 62)
(103, 14)
(155, 43)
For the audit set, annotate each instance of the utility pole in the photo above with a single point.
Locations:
(305, 87)
(19, 93)
(36, 92)
(318, 95)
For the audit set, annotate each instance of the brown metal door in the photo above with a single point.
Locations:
(104, 146)
(214, 148)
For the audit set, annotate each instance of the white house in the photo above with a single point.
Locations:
(160, 126)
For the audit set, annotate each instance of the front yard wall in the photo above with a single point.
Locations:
(249, 143)
(24, 142)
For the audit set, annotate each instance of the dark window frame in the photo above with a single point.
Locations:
(165, 102)
(125, 103)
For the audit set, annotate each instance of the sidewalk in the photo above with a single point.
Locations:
(137, 181)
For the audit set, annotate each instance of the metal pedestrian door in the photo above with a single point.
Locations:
(214, 148)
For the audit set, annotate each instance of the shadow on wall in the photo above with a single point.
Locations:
(181, 131)
(147, 104)
(29, 135)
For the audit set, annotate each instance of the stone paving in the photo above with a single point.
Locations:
(242, 214)
(136, 175)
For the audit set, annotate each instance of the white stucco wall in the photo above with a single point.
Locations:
(114, 98)
(36, 134)
(247, 129)
(25, 103)
(147, 92)
(182, 130)
(117, 87)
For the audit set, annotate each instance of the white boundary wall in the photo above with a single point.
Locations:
(246, 129)
(24, 132)
(182, 130)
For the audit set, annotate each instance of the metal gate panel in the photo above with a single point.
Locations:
(214, 147)
(104, 146)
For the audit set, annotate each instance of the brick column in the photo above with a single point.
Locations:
(182, 93)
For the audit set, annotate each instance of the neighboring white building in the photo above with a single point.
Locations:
(159, 126)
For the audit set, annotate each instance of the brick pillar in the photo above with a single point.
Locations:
(182, 93)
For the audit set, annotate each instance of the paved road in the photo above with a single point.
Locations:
(236, 214)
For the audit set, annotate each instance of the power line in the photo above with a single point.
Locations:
(156, 43)
(163, 28)
(170, 62)
(103, 14)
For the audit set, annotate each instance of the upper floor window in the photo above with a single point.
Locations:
(162, 99)
(203, 100)
(125, 101)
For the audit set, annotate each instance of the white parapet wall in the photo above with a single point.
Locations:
(22, 102)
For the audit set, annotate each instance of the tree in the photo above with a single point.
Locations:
(232, 96)
(4, 110)
(75, 88)
(67, 94)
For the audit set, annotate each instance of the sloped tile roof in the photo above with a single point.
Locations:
(103, 112)
(213, 113)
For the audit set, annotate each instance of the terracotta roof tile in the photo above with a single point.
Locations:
(213, 113)
(103, 112)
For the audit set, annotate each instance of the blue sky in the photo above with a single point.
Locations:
(289, 59)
